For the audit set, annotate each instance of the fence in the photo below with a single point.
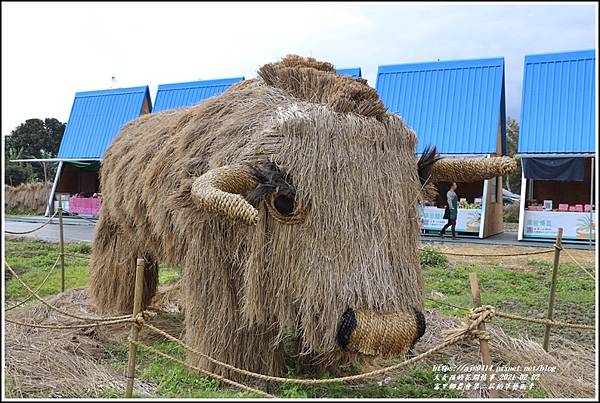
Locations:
(474, 328)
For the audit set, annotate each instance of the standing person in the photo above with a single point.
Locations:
(451, 210)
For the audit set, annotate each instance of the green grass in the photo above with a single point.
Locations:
(10, 212)
(32, 260)
(174, 380)
(521, 291)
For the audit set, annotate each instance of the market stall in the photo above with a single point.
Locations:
(557, 145)
(567, 202)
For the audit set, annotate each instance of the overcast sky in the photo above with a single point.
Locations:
(52, 50)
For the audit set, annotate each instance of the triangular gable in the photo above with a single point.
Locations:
(457, 106)
(97, 117)
(181, 95)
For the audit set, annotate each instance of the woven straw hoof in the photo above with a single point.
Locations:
(373, 333)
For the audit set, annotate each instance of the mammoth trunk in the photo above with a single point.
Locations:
(371, 333)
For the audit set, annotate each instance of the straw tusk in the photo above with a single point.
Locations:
(471, 169)
(219, 191)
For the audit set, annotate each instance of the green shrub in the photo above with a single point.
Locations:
(432, 258)
(84, 248)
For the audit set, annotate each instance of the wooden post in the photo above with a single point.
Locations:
(62, 243)
(137, 307)
(557, 249)
(484, 347)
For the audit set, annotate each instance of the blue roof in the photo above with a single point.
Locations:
(171, 96)
(354, 72)
(96, 118)
(559, 103)
(456, 106)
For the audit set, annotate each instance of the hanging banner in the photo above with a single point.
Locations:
(467, 220)
(544, 224)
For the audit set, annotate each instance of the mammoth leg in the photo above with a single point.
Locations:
(214, 326)
(112, 274)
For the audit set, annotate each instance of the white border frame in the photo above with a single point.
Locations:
(522, 206)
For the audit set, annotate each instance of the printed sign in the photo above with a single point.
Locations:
(467, 220)
(544, 224)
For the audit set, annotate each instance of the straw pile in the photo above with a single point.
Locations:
(575, 364)
(27, 197)
(62, 363)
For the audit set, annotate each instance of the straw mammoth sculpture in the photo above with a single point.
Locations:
(289, 203)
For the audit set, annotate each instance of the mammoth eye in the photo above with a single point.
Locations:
(284, 204)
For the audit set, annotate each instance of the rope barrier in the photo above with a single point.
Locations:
(55, 308)
(494, 312)
(448, 304)
(33, 230)
(496, 255)
(219, 377)
(544, 321)
(84, 218)
(38, 288)
(264, 377)
(579, 264)
(78, 255)
(76, 326)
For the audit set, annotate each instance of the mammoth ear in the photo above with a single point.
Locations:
(425, 164)
(470, 169)
(428, 158)
(220, 191)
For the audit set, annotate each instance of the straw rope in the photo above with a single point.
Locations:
(496, 255)
(38, 288)
(78, 255)
(33, 230)
(205, 372)
(448, 342)
(58, 309)
(579, 264)
(542, 321)
(84, 218)
(492, 311)
(448, 304)
(75, 326)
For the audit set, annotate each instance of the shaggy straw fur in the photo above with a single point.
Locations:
(31, 196)
(355, 177)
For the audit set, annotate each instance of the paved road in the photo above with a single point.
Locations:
(78, 230)
(50, 233)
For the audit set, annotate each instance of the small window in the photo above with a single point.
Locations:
(494, 184)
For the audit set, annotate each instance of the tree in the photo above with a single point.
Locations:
(35, 138)
(513, 181)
